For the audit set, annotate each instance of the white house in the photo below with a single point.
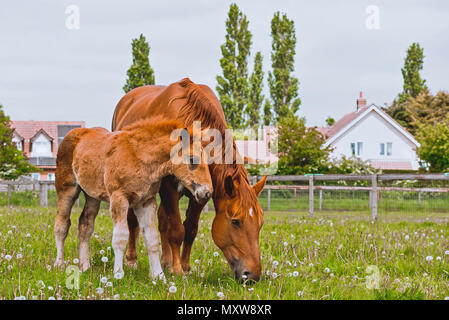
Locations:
(372, 135)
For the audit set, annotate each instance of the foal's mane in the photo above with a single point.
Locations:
(156, 126)
(200, 108)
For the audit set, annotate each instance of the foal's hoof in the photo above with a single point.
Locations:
(59, 264)
(84, 266)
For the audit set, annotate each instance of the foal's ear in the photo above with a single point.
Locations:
(258, 187)
(229, 186)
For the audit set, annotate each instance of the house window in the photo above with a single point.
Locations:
(359, 148)
(35, 176)
(382, 149)
(41, 147)
(353, 148)
(389, 148)
(17, 142)
(51, 176)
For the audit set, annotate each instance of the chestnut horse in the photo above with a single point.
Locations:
(124, 168)
(238, 215)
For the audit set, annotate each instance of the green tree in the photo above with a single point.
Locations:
(330, 121)
(232, 86)
(413, 64)
(300, 148)
(13, 164)
(267, 113)
(283, 85)
(256, 97)
(434, 145)
(140, 73)
(412, 87)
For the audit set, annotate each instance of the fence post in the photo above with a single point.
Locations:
(9, 195)
(206, 207)
(374, 198)
(43, 194)
(269, 200)
(311, 195)
(419, 198)
(294, 194)
(321, 198)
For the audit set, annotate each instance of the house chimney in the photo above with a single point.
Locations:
(361, 102)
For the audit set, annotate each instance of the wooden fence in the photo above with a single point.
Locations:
(41, 186)
(374, 189)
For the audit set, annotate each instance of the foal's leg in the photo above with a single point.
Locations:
(146, 217)
(133, 227)
(174, 228)
(119, 210)
(66, 199)
(86, 228)
(191, 229)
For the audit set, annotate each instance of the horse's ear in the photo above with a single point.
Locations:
(258, 187)
(229, 186)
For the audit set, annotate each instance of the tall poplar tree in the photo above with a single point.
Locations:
(283, 85)
(232, 86)
(255, 98)
(140, 73)
(413, 64)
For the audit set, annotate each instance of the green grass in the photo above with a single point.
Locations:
(324, 257)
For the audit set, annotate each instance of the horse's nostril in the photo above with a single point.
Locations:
(208, 194)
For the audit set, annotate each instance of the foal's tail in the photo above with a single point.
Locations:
(64, 175)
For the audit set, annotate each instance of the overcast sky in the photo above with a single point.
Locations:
(50, 72)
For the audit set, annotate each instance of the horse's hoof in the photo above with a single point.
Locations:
(166, 264)
(177, 271)
(131, 263)
(186, 267)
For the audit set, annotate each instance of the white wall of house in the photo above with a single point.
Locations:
(371, 131)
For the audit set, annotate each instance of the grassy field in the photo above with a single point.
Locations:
(328, 256)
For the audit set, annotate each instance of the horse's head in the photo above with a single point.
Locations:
(236, 226)
(193, 173)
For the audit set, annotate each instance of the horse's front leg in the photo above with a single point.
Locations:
(170, 224)
(191, 229)
(119, 210)
(146, 218)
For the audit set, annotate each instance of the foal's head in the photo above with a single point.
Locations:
(192, 169)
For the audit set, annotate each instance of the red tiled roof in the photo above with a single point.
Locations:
(392, 165)
(27, 129)
(343, 122)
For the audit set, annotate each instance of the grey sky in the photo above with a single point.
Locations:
(48, 72)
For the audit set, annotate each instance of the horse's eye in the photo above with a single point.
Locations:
(235, 222)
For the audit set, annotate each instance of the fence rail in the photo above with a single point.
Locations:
(374, 189)
(373, 186)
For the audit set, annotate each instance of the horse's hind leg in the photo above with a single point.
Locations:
(66, 198)
(133, 227)
(86, 228)
(146, 218)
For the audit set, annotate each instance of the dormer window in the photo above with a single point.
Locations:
(17, 141)
(41, 145)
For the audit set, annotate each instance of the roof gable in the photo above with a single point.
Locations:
(351, 119)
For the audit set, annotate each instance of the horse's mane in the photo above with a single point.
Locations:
(200, 108)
